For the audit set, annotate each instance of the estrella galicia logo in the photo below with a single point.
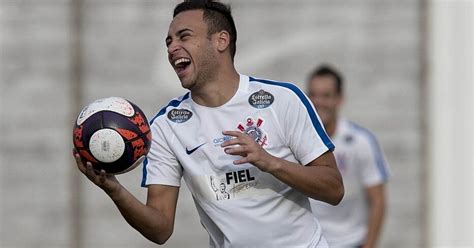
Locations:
(261, 99)
(179, 115)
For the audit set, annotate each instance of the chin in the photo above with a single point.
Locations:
(186, 82)
(187, 85)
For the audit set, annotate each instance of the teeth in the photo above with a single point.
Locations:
(181, 60)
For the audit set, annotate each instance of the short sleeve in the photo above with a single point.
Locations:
(305, 133)
(161, 165)
(374, 165)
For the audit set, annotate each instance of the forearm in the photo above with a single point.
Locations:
(375, 224)
(155, 223)
(319, 182)
(150, 222)
(375, 221)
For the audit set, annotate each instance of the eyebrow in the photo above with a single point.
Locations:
(178, 33)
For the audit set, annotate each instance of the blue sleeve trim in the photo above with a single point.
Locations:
(143, 184)
(312, 113)
(173, 103)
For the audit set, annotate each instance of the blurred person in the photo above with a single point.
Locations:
(259, 141)
(358, 219)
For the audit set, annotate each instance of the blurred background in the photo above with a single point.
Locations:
(408, 65)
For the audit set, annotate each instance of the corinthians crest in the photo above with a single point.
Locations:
(252, 128)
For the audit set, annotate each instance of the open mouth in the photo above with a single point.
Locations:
(181, 64)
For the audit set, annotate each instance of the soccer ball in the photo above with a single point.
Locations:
(113, 134)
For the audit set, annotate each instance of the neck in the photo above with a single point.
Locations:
(218, 90)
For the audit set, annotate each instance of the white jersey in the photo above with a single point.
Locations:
(239, 205)
(362, 164)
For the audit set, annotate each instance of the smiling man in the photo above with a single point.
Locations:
(251, 151)
(357, 220)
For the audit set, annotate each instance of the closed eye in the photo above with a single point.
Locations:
(168, 41)
(184, 36)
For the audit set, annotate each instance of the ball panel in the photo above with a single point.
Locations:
(114, 104)
(89, 127)
(140, 121)
(116, 121)
(86, 155)
(106, 145)
(134, 165)
(148, 139)
(139, 148)
(127, 134)
(77, 137)
(121, 164)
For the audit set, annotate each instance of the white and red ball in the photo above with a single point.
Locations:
(113, 134)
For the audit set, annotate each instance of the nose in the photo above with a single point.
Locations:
(322, 102)
(173, 47)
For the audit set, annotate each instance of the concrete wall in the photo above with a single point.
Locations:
(451, 114)
(375, 43)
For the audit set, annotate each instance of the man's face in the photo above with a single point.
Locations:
(323, 93)
(190, 50)
(222, 187)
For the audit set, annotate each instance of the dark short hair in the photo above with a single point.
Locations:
(327, 70)
(217, 15)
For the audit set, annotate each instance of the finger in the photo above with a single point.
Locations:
(233, 141)
(236, 150)
(243, 160)
(102, 176)
(75, 153)
(241, 139)
(77, 157)
(90, 173)
(233, 133)
(79, 163)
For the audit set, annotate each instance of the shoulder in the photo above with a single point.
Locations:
(282, 91)
(172, 105)
(278, 86)
(358, 134)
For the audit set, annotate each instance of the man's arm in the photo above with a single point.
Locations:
(376, 199)
(320, 179)
(155, 220)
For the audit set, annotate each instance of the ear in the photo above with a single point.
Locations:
(222, 40)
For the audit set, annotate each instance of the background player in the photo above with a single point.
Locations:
(357, 220)
(261, 138)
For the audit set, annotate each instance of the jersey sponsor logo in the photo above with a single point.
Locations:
(233, 183)
(189, 152)
(222, 193)
(218, 141)
(179, 115)
(261, 99)
(252, 128)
